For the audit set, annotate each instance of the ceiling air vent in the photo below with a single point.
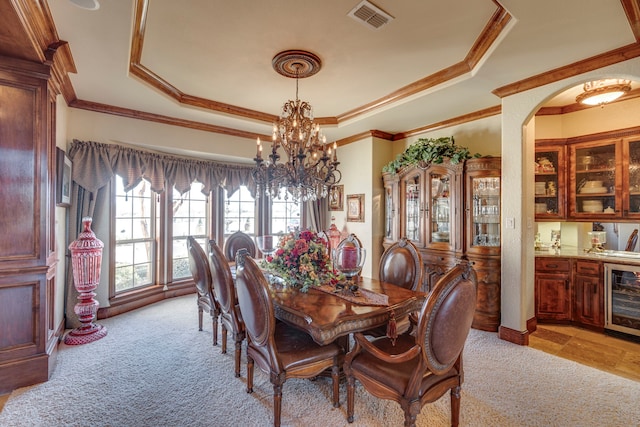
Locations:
(370, 15)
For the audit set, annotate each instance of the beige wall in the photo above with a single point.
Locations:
(106, 128)
(621, 115)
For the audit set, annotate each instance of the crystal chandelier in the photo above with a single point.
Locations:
(311, 166)
(600, 92)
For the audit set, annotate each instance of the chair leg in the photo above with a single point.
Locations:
(238, 354)
(249, 374)
(215, 329)
(224, 339)
(335, 380)
(351, 388)
(277, 404)
(455, 406)
(200, 318)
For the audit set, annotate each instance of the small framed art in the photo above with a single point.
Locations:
(355, 207)
(336, 198)
(63, 178)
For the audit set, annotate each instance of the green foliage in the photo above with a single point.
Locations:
(428, 151)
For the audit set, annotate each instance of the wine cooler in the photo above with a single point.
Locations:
(622, 298)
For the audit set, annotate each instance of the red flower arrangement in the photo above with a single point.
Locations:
(302, 260)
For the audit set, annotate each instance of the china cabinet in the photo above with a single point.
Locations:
(449, 210)
(482, 236)
(550, 184)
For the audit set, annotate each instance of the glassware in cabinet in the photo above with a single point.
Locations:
(549, 186)
(440, 218)
(413, 205)
(632, 178)
(485, 211)
(595, 184)
(391, 214)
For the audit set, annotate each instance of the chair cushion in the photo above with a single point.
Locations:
(296, 347)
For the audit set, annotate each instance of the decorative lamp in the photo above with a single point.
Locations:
(600, 92)
(311, 164)
(86, 260)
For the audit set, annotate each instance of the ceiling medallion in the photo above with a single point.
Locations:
(296, 64)
(311, 164)
(600, 92)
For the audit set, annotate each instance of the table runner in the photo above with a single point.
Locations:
(361, 296)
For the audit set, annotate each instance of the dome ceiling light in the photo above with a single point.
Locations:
(600, 92)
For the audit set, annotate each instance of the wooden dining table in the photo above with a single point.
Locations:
(327, 316)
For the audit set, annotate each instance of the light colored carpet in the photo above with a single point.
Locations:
(154, 368)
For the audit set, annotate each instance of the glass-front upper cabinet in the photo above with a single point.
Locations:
(549, 183)
(440, 207)
(412, 203)
(444, 201)
(391, 215)
(632, 178)
(482, 201)
(596, 179)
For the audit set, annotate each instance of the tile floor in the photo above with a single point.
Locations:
(601, 351)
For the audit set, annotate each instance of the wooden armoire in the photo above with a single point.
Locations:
(29, 82)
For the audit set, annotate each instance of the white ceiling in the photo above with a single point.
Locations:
(222, 50)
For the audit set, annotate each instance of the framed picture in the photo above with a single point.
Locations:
(355, 207)
(63, 178)
(336, 198)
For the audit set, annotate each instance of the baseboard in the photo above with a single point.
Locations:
(24, 372)
(511, 335)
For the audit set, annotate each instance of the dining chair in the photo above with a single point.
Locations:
(400, 265)
(201, 274)
(631, 242)
(280, 350)
(422, 366)
(238, 240)
(224, 291)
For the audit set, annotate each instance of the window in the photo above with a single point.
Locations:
(239, 212)
(285, 214)
(135, 235)
(190, 215)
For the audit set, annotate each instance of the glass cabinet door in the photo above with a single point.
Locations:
(413, 204)
(440, 208)
(388, 213)
(485, 211)
(595, 184)
(549, 183)
(632, 178)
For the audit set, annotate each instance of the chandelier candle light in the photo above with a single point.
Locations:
(311, 166)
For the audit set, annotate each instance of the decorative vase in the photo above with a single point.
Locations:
(86, 260)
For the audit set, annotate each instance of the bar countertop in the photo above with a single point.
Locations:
(616, 257)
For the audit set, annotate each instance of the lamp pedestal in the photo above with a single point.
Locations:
(86, 260)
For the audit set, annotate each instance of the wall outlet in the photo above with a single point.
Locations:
(510, 223)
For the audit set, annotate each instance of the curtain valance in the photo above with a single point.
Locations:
(95, 163)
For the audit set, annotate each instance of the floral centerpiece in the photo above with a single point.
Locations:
(302, 260)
